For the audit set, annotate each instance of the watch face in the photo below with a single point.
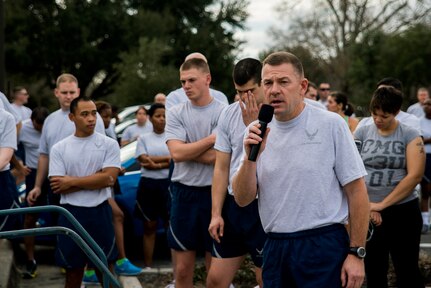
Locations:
(361, 252)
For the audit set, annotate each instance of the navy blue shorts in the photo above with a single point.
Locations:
(243, 232)
(152, 199)
(8, 200)
(97, 221)
(427, 173)
(189, 218)
(306, 259)
(30, 180)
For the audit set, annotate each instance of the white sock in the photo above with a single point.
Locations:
(426, 218)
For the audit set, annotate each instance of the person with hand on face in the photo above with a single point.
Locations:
(84, 185)
(309, 179)
(236, 230)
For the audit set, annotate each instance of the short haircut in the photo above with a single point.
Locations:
(390, 81)
(388, 99)
(39, 115)
(17, 89)
(102, 106)
(75, 102)
(154, 107)
(423, 89)
(282, 57)
(311, 84)
(196, 63)
(141, 108)
(247, 69)
(66, 77)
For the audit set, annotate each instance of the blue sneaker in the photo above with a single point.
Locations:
(124, 267)
(90, 277)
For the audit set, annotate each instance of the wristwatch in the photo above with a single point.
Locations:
(358, 252)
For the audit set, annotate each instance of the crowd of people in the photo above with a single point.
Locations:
(328, 201)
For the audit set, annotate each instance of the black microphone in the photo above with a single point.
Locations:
(265, 116)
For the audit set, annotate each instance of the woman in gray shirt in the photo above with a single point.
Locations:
(394, 158)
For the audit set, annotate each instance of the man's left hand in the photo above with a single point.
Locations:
(352, 272)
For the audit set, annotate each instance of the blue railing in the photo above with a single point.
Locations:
(89, 246)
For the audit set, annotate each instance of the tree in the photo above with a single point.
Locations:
(332, 26)
(91, 39)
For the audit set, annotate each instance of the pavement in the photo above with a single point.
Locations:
(12, 260)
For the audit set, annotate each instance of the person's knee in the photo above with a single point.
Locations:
(183, 272)
(214, 280)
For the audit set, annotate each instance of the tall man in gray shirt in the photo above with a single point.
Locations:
(190, 133)
(309, 178)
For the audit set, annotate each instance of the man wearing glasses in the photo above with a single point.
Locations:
(324, 90)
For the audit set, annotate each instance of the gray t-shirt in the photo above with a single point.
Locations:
(302, 171)
(134, 131)
(80, 157)
(7, 133)
(58, 126)
(153, 144)
(426, 132)
(230, 134)
(416, 109)
(385, 159)
(30, 138)
(23, 111)
(189, 123)
(4, 103)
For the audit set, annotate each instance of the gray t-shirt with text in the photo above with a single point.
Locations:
(385, 159)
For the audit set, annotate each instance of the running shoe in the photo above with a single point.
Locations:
(124, 267)
(90, 277)
(30, 270)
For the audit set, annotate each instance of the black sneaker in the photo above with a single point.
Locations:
(30, 270)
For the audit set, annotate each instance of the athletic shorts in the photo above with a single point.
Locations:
(306, 259)
(8, 200)
(97, 221)
(189, 218)
(243, 232)
(152, 199)
(427, 173)
(30, 180)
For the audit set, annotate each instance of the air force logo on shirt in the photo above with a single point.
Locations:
(311, 135)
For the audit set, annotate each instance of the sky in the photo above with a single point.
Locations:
(261, 18)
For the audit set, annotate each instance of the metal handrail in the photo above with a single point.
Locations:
(89, 246)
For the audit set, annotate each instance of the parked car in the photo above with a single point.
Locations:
(126, 117)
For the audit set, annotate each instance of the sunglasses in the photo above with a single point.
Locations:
(324, 89)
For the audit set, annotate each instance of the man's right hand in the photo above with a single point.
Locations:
(216, 228)
(33, 195)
